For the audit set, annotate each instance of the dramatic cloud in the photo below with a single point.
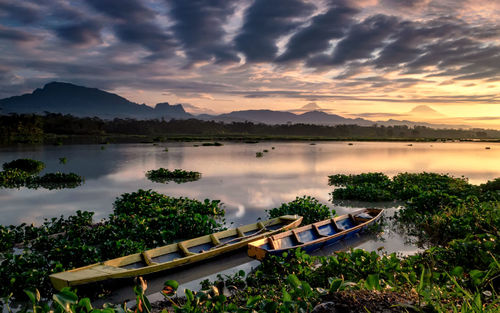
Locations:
(361, 41)
(135, 24)
(80, 33)
(15, 35)
(267, 21)
(316, 37)
(25, 13)
(352, 56)
(132, 11)
(199, 28)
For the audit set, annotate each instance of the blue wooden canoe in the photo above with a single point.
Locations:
(314, 236)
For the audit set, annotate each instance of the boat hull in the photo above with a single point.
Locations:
(314, 236)
(173, 255)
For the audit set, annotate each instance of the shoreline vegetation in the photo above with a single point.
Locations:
(58, 129)
(458, 272)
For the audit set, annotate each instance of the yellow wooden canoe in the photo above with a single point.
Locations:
(174, 255)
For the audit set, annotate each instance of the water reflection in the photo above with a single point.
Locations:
(246, 185)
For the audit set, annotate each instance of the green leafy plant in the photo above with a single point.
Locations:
(308, 207)
(163, 175)
(32, 167)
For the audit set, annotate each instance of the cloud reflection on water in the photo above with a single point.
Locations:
(245, 184)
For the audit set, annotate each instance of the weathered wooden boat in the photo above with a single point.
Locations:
(314, 236)
(174, 255)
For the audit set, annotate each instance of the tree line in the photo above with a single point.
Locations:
(31, 128)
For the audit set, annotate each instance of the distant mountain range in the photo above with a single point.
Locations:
(65, 98)
(80, 101)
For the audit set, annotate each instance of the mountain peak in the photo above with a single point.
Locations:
(424, 109)
(59, 84)
(311, 106)
(67, 98)
(166, 108)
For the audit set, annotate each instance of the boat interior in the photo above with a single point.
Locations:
(312, 232)
(198, 245)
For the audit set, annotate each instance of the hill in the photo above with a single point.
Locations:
(65, 98)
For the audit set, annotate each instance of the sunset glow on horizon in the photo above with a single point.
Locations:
(436, 61)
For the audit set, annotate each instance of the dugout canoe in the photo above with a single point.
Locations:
(314, 236)
(174, 255)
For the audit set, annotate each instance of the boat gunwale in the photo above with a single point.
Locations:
(290, 220)
(258, 243)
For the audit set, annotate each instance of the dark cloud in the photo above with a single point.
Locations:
(80, 33)
(17, 11)
(265, 22)
(199, 28)
(135, 24)
(316, 37)
(464, 58)
(406, 4)
(360, 42)
(125, 10)
(15, 35)
(148, 35)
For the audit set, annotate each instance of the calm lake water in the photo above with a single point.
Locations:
(246, 185)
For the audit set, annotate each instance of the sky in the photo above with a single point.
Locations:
(375, 59)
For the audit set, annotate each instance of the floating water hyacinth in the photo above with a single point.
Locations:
(163, 175)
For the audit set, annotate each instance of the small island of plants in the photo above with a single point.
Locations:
(163, 175)
(25, 173)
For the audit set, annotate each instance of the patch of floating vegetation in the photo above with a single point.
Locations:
(163, 175)
(259, 154)
(209, 144)
(29, 166)
(24, 173)
(56, 181)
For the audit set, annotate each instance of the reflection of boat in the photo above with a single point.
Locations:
(314, 236)
(174, 255)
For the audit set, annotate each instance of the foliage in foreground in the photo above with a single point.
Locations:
(163, 175)
(298, 282)
(140, 220)
(308, 207)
